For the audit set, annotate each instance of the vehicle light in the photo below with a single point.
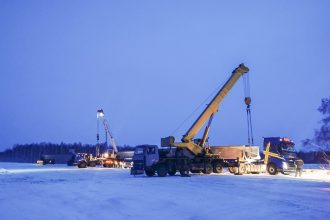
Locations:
(285, 165)
(286, 139)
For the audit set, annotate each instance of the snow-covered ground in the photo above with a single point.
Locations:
(29, 191)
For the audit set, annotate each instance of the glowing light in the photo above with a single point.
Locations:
(100, 113)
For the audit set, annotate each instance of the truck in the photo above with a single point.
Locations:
(195, 155)
(279, 155)
(191, 154)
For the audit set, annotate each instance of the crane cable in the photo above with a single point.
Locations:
(197, 108)
(247, 100)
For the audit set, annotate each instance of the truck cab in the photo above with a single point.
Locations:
(279, 155)
(144, 158)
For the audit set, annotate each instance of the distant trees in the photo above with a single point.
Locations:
(321, 140)
(30, 153)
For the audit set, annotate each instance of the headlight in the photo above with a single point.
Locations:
(285, 165)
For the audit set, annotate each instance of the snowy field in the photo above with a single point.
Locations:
(29, 191)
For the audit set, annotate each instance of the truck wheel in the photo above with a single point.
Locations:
(217, 168)
(184, 173)
(150, 173)
(242, 169)
(172, 172)
(92, 164)
(272, 170)
(232, 169)
(162, 171)
(207, 168)
(82, 164)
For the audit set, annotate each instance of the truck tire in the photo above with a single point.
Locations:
(242, 169)
(272, 169)
(184, 173)
(172, 172)
(150, 173)
(217, 167)
(171, 169)
(82, 164)
(161, 170)
(92, 164)
(232, 169)
(207, 169)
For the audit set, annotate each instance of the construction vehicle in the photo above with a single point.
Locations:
(195, 155)
(191, 155)
(279, 155)
(84, 160)
(109, 157)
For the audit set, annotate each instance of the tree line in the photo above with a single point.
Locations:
(30, 153)
(317, 148)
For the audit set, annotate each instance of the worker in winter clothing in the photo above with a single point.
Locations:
(299, 163)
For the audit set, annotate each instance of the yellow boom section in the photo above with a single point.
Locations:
(212, 108)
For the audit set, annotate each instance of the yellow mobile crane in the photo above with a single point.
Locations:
(190, 154)
(197, 147)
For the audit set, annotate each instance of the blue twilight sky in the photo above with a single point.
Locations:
(149, 64)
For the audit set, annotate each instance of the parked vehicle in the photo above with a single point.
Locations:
(189, 155)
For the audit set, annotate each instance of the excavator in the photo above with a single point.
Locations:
(194, 154)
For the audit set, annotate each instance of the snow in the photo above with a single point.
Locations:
(29, 191)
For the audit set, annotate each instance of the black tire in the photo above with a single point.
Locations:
(161, 170)
(232, 169)
(82, 164)
(172, 172)
(184, 173)
(207, 168)
(150, 173)
(217, 167)
(272, 169)
(92, 164)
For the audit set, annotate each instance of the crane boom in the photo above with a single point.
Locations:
(112, 140)
(214, 104)
(207, 114)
